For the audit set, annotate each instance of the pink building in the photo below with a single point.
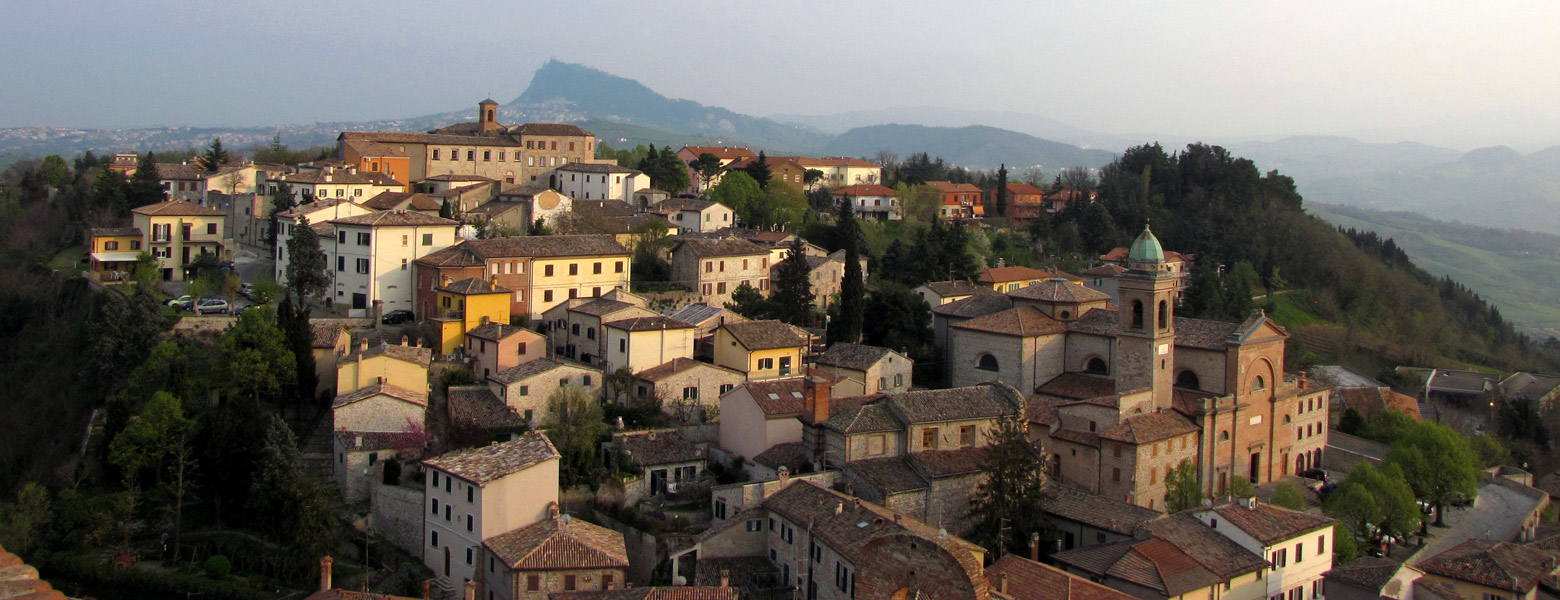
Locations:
(495, 347)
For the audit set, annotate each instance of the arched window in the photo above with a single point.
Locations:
(1164, 315)
(1137, 314)
(1224, 436)
(1096, 366)
(1188, 379)
(1258, 384)
(1288, 419)
(1300, 463)
(986, 362)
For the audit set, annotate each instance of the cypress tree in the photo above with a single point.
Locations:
(847, 327)
(793, 296)
(1002, 192)
(759, 170)
(145, 186)
(307, 271)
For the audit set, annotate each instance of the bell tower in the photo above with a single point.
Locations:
(1145, 338)
(487, 114)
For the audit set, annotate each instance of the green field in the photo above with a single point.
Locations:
(1523, 284)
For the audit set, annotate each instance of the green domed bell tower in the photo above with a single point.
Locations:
(1145, 339)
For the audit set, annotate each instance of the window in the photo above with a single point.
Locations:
(899, 379)
(468, 555)
(1115, 474)
(403, 264)
(585, 380)
(525, 390)
(590, 333)
(691, 393)
(470, 493)
(1321, 544)
(765, 364)
(1258, 384)
(623, 345)
(842, 578)
(362, 265)
(433, 540)
(574, 329)
(967, 435)
(755, 525)
(363, 238)
(341, 237)
(547, 271)
(726, 387)
(110, 246)
(596, 269)
(574, 269)
(568, 582)
(882, 382)
(720, 288)
(435, 501)
(720, 508)
(546, 295)
(618, 268)
(606, 581)
(1299, 553)
(533, 583)
(785, 365)
(487, 155)
(448, 516)
(436, 154)
(427, 239)
(1316, 588)
(211, 228)
(986, 362)
(929, 438)
(471, 155)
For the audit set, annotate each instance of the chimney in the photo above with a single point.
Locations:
(471, 590)
(725, 578)
(552, 510)
(1034, 547)
(1001, 262)
(784, 474)
(485, 320)
(404, 340)
(425, 589)
(1305, 381)
(839, 508)
(325, 573)
(899, 519)
(815, 399)
(1002, 582)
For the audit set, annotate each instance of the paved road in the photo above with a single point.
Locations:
(1497, 514)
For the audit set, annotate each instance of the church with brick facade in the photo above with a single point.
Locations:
(1120, 394)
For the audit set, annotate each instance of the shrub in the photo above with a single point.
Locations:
(218, 566)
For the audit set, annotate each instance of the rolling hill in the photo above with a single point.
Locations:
(975, 146)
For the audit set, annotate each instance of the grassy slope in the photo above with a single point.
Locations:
(1523, 288)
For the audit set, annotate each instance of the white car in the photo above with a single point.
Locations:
(212, 306)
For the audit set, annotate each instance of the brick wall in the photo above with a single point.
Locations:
(900, 562)
(398, 515)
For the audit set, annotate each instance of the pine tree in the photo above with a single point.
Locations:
(1008, 503)
(214, 157)
(1002, 192)
(673, 172)
(108, 194)
(847, 327)
(307, 271)
(145, 186)
(758, 169)
(792, 295)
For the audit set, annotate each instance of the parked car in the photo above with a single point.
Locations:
(398, 316)
(226, 265)
(246, 290)
(1316, 474)
(181, 303)
(212, 306)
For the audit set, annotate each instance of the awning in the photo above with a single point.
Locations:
(115, 256)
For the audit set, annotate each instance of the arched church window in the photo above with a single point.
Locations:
(1137, 314)
(1224, 436)
(1258, 384)
(1164, 315)
(1096, 366)
(1188, 379)
(986, 362)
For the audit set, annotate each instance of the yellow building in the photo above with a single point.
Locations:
(1488, 570)
(112, 252)
(177, 233)
(760, 349)
(466, 305)
(1008, 279)
(379, 363)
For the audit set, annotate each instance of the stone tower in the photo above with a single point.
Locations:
(1145, 347)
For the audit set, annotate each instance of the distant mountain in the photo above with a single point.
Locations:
(940, 116)
(975, 146)
(595, 94)
(1309, 158)
(1492, 187)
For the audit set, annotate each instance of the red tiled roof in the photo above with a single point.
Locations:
(948, 187)
(1019, 578)
(1271, 524)
(1500, 565)
(1149, 427)
(1026, 321)
(721, 152)
(835, 161)
(1370, 401)
(654, 593)
(560, 543)
(1007, 274)
(865, 189)
(381, 389)
(177, 208)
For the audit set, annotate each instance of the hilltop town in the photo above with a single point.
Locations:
(503, 361)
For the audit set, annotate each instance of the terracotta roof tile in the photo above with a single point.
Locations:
(947, 463)
(957, 287)
(948, 187)
(1202, 333)
(1371, 401)
(560, 543)
(1025, 579)
(412, 354)
(552, 129)
(705, 248)
(394, 200)
(889, 475)
(528, 370)
(177, 208)
(547, 246)
(1149, 427)
(978, 305)
(477, 406)
(484, 464)
(324, 334)
(659, 447)
(981, 401)
(498, 331)
(655, 323)
(419, 398)
(1007, 274)
(473, 286)
(1501, 565)
(791, 455)
(1067, 502)
(1100, 321)
(1078, 386)
(721, 152)
(1368, 572)
(847, 525)
(679, 365)
(766, 335)
(1059, 290)
(856, 357)
(1024, 321)
(654, 593)
(865, 189)
(395, 218)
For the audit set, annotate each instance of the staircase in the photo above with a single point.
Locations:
(317, 448)
(441, 588)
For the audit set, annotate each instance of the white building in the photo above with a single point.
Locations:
(371, 256)
(594, 181)
(475, 494)
(694, 215)
(1298, 544)
(338, 183)
(319, 215)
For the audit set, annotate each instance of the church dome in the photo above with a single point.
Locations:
(1146, 249)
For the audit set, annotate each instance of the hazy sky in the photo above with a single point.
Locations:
(1188, 67)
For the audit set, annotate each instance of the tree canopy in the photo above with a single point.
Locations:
(1008, 504)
